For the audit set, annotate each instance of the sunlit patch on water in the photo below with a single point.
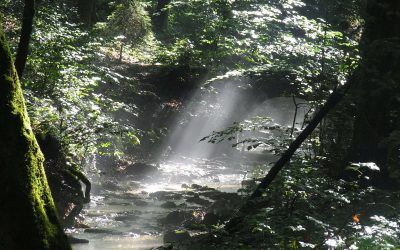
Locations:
(176, 176)
(152, 188)
(111, 242)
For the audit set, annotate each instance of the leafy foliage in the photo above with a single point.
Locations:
(258, 132)
(237, 34)
(129, 19)
(305, 209)
(63, 85)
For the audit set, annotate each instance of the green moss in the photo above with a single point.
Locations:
(28, 218)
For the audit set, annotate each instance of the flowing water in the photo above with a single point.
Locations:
(125, 213)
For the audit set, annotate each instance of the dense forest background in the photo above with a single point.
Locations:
(125, 90)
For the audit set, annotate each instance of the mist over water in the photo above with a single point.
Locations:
(209, 111)
(206, 112)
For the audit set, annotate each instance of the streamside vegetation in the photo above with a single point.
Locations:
(97, 96)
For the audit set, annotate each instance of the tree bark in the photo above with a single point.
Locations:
(378, 115)
(26, 32)
(28, 217)
(87, 11)
(160, 17)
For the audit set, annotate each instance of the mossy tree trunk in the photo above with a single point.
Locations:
(28, 218)
(377, 124)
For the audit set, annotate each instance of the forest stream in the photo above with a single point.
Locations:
(135, 212)
(127, 214)
(192, 125)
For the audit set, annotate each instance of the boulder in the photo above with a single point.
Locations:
(140, 170)
(74, 240)
(197, 200)
(168, 204)
(224, 208)
(178, 217)
(140, 203)
(99, 231)
(176, 236)
(196, 186)
(211, 219)
(201, 188)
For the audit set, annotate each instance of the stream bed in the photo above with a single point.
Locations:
(125, 213)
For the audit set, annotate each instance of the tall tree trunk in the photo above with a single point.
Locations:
(160, 16)
(26, 32)
(378, 114)
(28, 218)
(87, 11)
